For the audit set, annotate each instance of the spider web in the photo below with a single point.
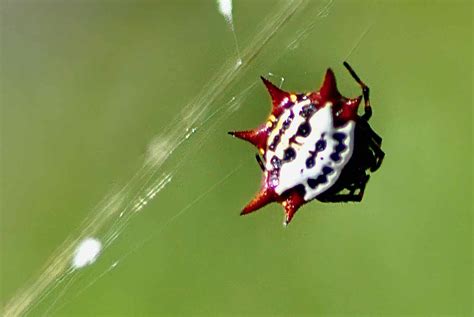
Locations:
(190, 129)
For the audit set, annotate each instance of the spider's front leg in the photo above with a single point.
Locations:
(365, 92)
(260, 162)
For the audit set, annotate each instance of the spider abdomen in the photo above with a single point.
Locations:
(318, 152)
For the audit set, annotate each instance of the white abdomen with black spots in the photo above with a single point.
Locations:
(316, 160)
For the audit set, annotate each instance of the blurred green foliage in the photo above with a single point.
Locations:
(87, 84)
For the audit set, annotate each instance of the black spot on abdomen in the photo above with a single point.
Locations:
(339, 136)
(327, 170)
(304, 129)
(320, 145)
(289, 154)
(314, 182)
(340, 147)
(336, 156)
(276, 162)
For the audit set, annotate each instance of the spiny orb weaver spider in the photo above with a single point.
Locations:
(314, 146)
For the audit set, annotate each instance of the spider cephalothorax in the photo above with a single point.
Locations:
(314, 146)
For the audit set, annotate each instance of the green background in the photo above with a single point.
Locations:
(86, 85)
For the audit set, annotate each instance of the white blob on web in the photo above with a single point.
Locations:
(86, 253)
(225, 8)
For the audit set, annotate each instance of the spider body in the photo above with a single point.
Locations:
(314, 146)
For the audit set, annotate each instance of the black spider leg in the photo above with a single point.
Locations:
(360, 185)
(375, 140)
(260, 162)
(365, 93)
(371, 133)
(378, 153)
(374, 145)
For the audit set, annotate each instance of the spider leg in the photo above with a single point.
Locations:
(352, 196)
(260, 162)
(368, 131)
(342, 198)
(365, 92)
(377, 138)
(379, 155)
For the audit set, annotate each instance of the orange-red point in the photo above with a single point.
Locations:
(291, 204)
(257, 137)
(278, 96)
(328, 90)
(263, 198)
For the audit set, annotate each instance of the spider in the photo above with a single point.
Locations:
(314, 146)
